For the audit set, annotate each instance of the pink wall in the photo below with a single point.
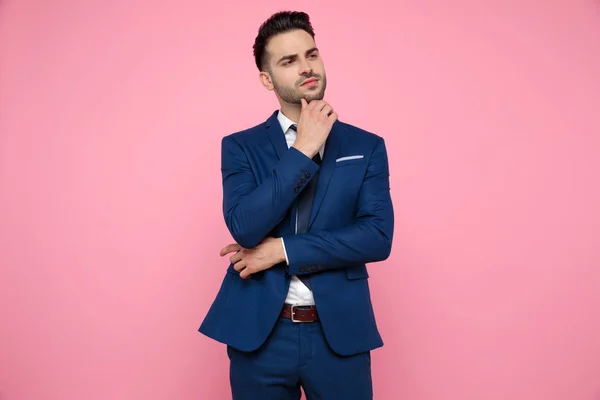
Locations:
(110, 225)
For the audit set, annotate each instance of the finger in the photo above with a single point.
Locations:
(236, 257)
(230, 248)
(321, 107)
(333, 117)
(238, 266)
(327, 110)
(314, 105)
(320, 104)
(304, 103)
(245, 273)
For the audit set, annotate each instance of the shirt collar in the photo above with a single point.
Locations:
(284, 121)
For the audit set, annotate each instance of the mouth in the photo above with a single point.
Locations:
(309, 81)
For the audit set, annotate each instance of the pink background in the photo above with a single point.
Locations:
(110, 199)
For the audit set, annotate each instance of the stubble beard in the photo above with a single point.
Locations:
(293, 96)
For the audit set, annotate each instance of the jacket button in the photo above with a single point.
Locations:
(307, 174)
(296, 189)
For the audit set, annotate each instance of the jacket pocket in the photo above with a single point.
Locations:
(352, 161)
(359, 272)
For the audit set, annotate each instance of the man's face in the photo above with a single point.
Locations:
(295, 68)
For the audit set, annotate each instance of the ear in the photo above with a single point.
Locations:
(265, 79)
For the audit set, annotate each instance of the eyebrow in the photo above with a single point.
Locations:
(292, 56)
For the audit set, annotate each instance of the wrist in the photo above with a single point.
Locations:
(281, 256)
(277, 251)
(306, 150)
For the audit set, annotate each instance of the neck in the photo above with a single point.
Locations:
(292, 111)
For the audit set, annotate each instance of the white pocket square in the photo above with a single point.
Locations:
(349, 158)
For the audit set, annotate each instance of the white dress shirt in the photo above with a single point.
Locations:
(298, 293)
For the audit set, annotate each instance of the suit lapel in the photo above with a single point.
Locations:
(277, 138)
(276, 135)
(332, 146)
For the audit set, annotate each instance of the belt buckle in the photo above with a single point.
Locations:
(292, 314)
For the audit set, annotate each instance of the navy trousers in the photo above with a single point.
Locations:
(296, 355)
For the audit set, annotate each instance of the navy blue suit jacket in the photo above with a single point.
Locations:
(351, 224)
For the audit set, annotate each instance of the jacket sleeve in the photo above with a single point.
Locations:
(368, 239)
(252, 210)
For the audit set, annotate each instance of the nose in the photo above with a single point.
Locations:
(305, 67)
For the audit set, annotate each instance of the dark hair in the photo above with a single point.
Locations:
(281, 22)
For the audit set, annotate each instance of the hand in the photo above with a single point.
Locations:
(314, 125)
(262, 257)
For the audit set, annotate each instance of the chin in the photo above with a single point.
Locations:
(311, 98)
(314, 96)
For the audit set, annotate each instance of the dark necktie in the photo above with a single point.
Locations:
(305, 201)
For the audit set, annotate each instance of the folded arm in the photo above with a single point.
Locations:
(253, 210)
(368, 239)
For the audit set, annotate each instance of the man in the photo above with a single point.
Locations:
(307, 200)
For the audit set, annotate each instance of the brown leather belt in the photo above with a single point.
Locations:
(300, 313)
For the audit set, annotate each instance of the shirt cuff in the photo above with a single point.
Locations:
(287, 261)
